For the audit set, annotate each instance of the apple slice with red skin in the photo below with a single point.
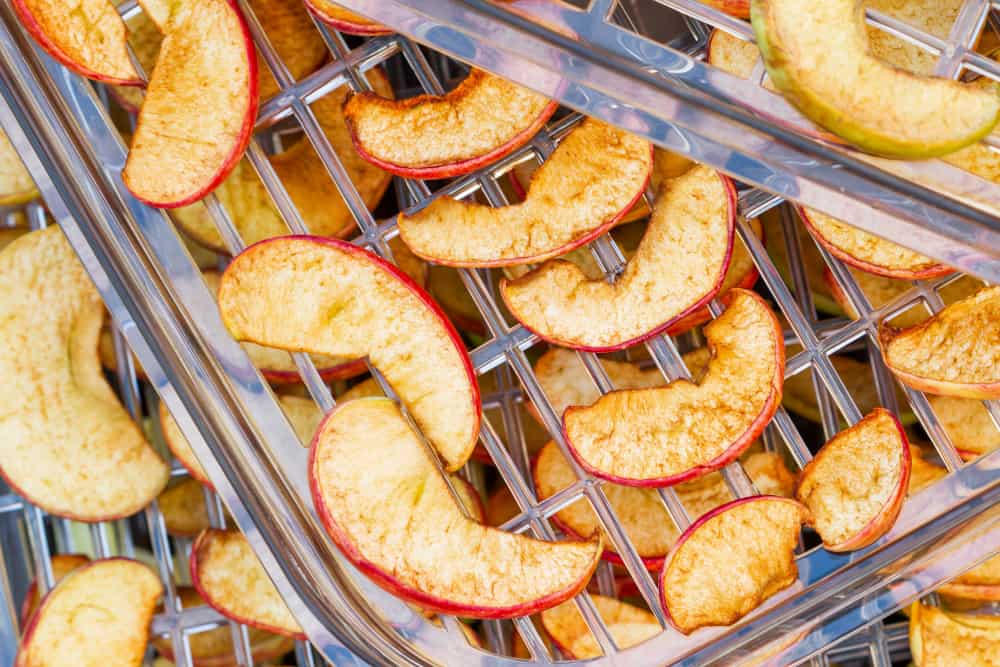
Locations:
(584, 189)
(666, 435)
(349, 302)
(856, 485)
(340, 19)
(940, 639)
(439, 136)
(89, 39)
(302, 414)
(728, 562)
(66, 442)
(198, 115)
(565, 625)
(954, 353)
(62, 564)
(367, 462)
(868, 252)
(679, 266)
(117, 596)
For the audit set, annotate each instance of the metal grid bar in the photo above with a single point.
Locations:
(508, 343)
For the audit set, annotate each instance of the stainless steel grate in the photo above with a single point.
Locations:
(234, 425)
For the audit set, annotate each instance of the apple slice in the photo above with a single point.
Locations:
(340, 19)
(302, 414)
(99, 614)
(500, 507)
(968, 424)
(980, 583)
(200, 106)
(871, 104)
(738, 8)
(953, 353)
(403, 332)
(869, 252)
(626, 635)
(16, 185)
(367, 462)
(583, 190)
(923, 473)
(62, 564)
(183, 508)
(728, 562)
(565, 625)
(939, 639)
(667, 435)
(439, 136)
(66, 443)
(228, 577)
(640, 511)
(856, 485)
(678, 268)
(302, 172)
(89, 37)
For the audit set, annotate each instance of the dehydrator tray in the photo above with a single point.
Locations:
(596, 61)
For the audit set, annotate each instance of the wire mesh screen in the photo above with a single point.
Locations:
(830, 329)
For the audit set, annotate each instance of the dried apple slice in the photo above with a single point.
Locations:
(678, 268)
(565, 625)
(873, 105)
(640, 511)
(66, 443)
(954, 353)
(923, 473)
(183, 508)
(305, 177)
(228, 577)
(439, 136)
(626, 635)
(62, 564)
(89, 38)
(403, 332)
(583, 190)
(728, 562)
(856, 485)
(366, 461)
(981, 583)
(666, 435)
(302, 414)
(200, 106)
(869, 252)
(939, 639)
(968, 424)
(340, 19)
(118, 596)
(16, 185)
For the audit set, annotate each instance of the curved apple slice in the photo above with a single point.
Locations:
(938, 639)
(66, 443)
(439, 136)
(367, 462)
(728, 562)
(667, 435)
(565, 625)
(116, 596)
(62, 565)
(228, 577)
(403, 332)
(980, 583)
(626, 635)
(678, 268)
(584, 189)
(954, 353)
(302, 414)
(16, 184)
(88, 38)
(198, 115)
(183, 508)
(869, 252)
(340, 19)
(856, 485)
(968, 424)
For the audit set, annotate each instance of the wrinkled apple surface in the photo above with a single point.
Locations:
(939, 639)
(98, 616)
(66, 443)
(856, 485)
(666, 435)
(383, 502)
(589, 183)
(62, 564)
(968, 424)
(730, 561)
(16, 185)
(437, 136)
(821, 60)
(340, 19)
(348, 302)
(954, 353)
(200, 106)
(678, 268)
(564, 624)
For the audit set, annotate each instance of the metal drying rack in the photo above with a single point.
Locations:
(637, 65)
